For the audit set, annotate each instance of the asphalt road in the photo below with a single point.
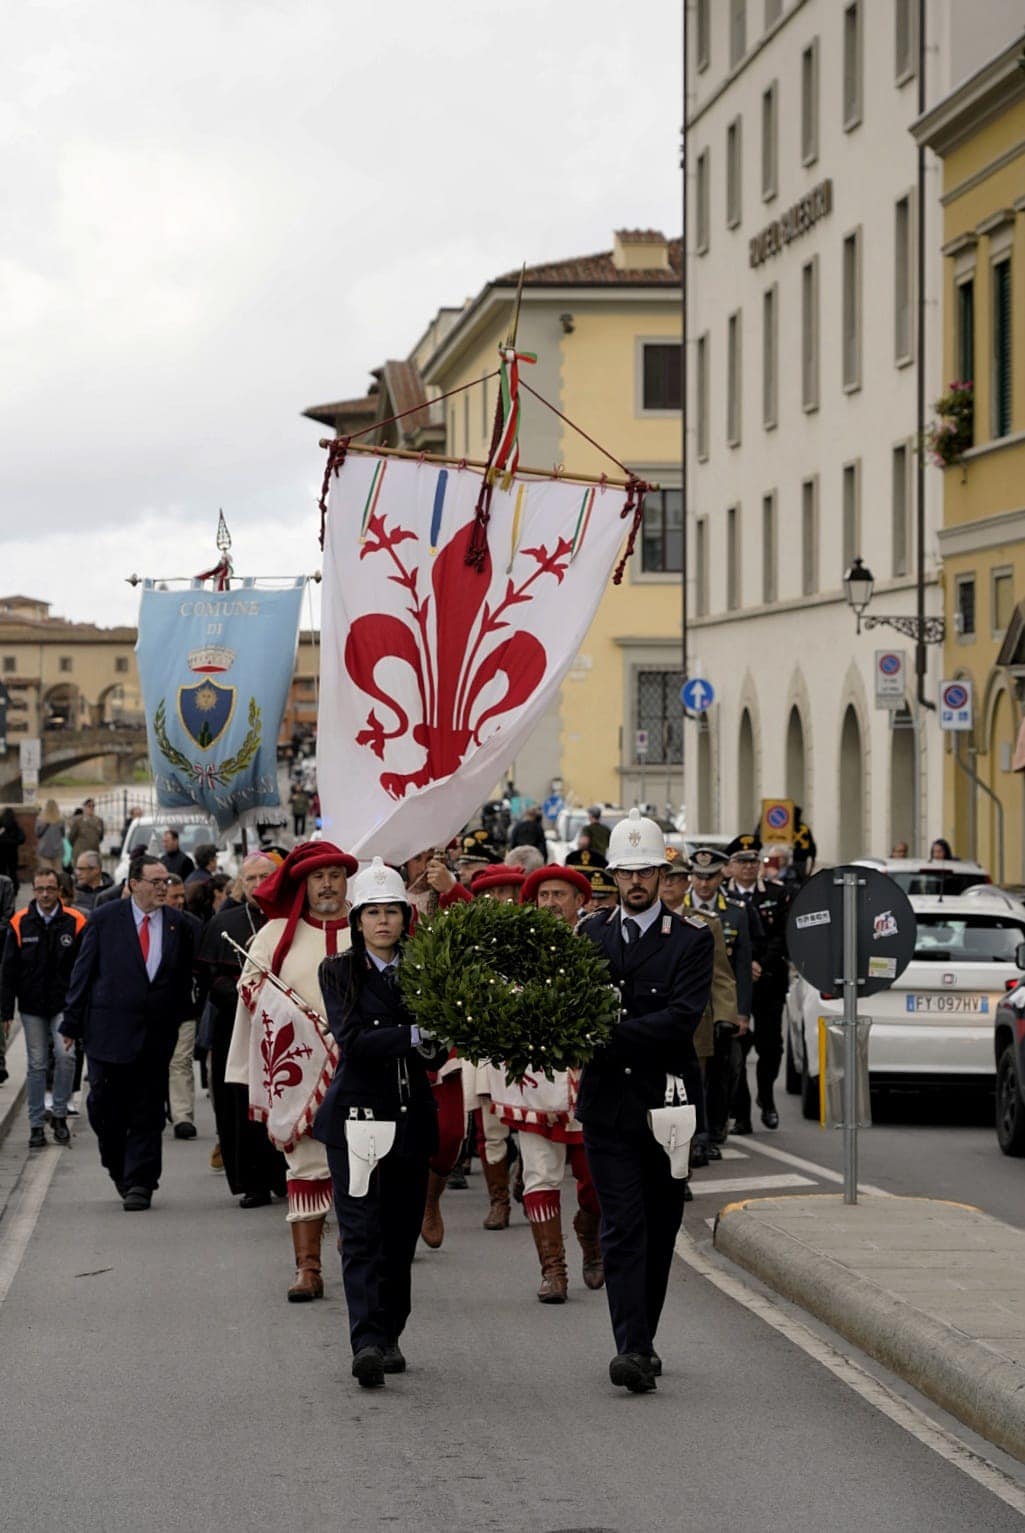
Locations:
(152, 1376)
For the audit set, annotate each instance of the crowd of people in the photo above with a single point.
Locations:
(326, 1094)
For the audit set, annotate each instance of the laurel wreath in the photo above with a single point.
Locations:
(511, 984)
(218, 772)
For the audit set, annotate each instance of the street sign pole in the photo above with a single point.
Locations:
(850, 1021)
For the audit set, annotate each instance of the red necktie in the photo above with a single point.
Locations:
(144, 939)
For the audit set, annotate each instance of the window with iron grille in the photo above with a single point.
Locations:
(660, 714)
(662, 532)
(964, 605)
(661, 377)
(1001, 348)
(10, 663)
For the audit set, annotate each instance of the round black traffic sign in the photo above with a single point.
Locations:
(886, 930)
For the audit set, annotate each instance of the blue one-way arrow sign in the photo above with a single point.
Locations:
(697, 695)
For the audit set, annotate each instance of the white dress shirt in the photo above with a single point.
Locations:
(156, 936)
(644, 918)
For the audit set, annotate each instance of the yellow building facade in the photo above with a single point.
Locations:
(979, 134)
(606, 332)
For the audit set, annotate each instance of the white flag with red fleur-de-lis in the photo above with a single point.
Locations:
(434, 673)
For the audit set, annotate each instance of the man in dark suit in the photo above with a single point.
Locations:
(130, 989)
(663, 968)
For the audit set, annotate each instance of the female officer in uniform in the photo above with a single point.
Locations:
(382, 1072)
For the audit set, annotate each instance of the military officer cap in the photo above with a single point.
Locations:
(741, 845)
(602, 883)
(708, 859)
(746, 856)
(476, 847)
(677, 862)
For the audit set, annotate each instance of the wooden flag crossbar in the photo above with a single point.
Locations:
(533, 473)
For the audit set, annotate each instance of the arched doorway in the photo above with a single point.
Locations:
(795, 779)
(903, 768)
(851, 819)
(704, 777)
(747, 816)
(62, 706)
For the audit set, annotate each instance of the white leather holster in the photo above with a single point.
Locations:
(369, 1139)
(673, 1126)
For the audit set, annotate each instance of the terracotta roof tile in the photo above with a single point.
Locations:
(598, 270)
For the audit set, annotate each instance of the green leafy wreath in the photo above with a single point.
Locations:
(509, 983)
(216, 772)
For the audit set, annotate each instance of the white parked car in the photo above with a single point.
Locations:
(936, 1023)
(147, 832)
(917, 875)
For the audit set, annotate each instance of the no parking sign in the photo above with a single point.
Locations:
(890, 672)
(955, 705)
(778, 821)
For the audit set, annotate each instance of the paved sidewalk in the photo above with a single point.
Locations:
(933, 1290)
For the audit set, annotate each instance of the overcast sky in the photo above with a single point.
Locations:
(219, 212)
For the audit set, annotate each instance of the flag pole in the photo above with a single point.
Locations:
(534, 473)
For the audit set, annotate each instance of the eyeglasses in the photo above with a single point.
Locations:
(158, 883)
(629, 873)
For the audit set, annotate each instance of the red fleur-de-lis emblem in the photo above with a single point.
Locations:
(280, 1053)
(455, 644)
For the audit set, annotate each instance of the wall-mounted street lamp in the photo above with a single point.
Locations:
(858, 585)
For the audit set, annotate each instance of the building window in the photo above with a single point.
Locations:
(733, 380)
(966, 330)
(734, 151)
(661, 377)
(773, 11)
(852, 65)
(770, 142)
(852, 311)
(964, 605)
(770, 584)
(738, 31)
(810, 334)
(10, 664)
(64, 663)
(809, 537)
(770, 357)
(851, 512)
(1002, 600)
(701, 565)
(662, 533)
(903, 330)
(660, 714)
(810, 103)
(121, 665)
(732, 559)
(703, 204)
(905, 62)
(702, 397)
(899, 509)
(1001, 348)
(703, 34)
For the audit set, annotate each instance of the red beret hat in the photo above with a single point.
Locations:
(282, 894)
(571, 876)
(500, 877)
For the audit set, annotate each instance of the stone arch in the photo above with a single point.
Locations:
(747, 774)
(851, 816)
(62, 706)
(795, 762)
(799, 701)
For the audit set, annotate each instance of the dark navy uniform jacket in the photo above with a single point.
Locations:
(665, 980)
(380, 1066)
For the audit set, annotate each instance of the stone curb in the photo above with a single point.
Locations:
(966, 1378)
(12, 1092)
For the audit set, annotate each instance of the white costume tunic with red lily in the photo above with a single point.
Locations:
(292, 1082)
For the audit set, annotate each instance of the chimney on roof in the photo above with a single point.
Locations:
(640, 250)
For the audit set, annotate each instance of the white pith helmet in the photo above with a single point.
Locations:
(636, 842)
(377, 885)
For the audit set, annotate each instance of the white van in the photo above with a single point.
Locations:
(147, 834)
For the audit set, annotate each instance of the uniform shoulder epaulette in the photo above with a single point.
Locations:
(695, 921)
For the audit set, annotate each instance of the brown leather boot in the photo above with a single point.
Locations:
(552, 1254)
(586, 1226)
(432, 1231)
(497, 1178)
(309, 1284)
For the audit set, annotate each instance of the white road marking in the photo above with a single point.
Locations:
(728, 1154)
(871, 1389)
(824, 1172)
(751, 1183)
(23, 1211)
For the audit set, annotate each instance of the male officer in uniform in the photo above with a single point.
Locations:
(769, 898)
(663, 967)
(724, 1067)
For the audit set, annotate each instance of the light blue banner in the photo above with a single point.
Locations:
(215, 668)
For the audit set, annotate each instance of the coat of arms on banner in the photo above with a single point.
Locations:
(205, 709)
